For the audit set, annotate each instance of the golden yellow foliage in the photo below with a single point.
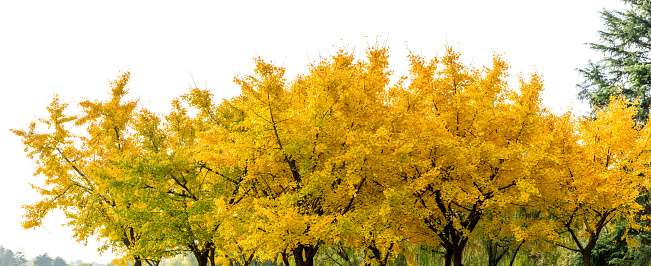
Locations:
(338, 157)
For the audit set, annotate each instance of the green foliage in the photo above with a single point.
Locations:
(58, 261)
(9, 258)
(613, 249)
(626, 66)
(6, 257)
(43, 260)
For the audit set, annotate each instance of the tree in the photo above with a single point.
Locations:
(81, 177)
(470, 147)
(58, 261)
(606, 169)
(624, 71)
(43, 260)
(308, 148)
(139, 185)
(626, 68)
(180, 190)
(20, 258)
(7, 257)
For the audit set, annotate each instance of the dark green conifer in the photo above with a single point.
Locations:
(626, 67)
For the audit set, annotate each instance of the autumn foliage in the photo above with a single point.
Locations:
(339, 157)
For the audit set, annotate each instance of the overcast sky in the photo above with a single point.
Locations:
(74, 48)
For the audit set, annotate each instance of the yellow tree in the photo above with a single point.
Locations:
(186, 193)
(604, 170)
(135, 177)
(309, 149)
(469, 146)
(80, 177)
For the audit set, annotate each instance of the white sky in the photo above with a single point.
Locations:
(75, 48)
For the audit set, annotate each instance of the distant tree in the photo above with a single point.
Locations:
(2, 252)
(7, 257)
(43, 260)
(59, 262)
(20, 258)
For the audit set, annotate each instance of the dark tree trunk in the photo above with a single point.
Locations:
(202, 257)
(454, 242)
(304, 254)
(137, 261)
(496, 252)
(285, 258)
(211, 257)
(457, 258)
(453, 239)
(493, 249)
(248, 260)
(448, 255)
(586, 257)
(202, 254)
(381, 261)
(152, 262)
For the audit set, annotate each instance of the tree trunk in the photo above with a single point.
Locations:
(211, 256)
(203, 254)
(586, 257)
(137, 261)
(304, 254)
(202, 257)
(493, 249)
(448, 256)
(496, 252)
(381, 261)
(285, 258)
(456, 258)
(248, 260)
(152, 262)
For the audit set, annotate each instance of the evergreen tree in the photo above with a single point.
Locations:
(626, 67)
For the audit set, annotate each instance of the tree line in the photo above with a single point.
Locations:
(10, 258)
(342, 161)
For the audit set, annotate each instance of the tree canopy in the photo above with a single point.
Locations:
(338, 158)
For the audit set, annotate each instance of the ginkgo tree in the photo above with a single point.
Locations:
(309, 148)
(134, 178)
(80, 177)
(186, 201)
(469, 146)
(604, 168)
